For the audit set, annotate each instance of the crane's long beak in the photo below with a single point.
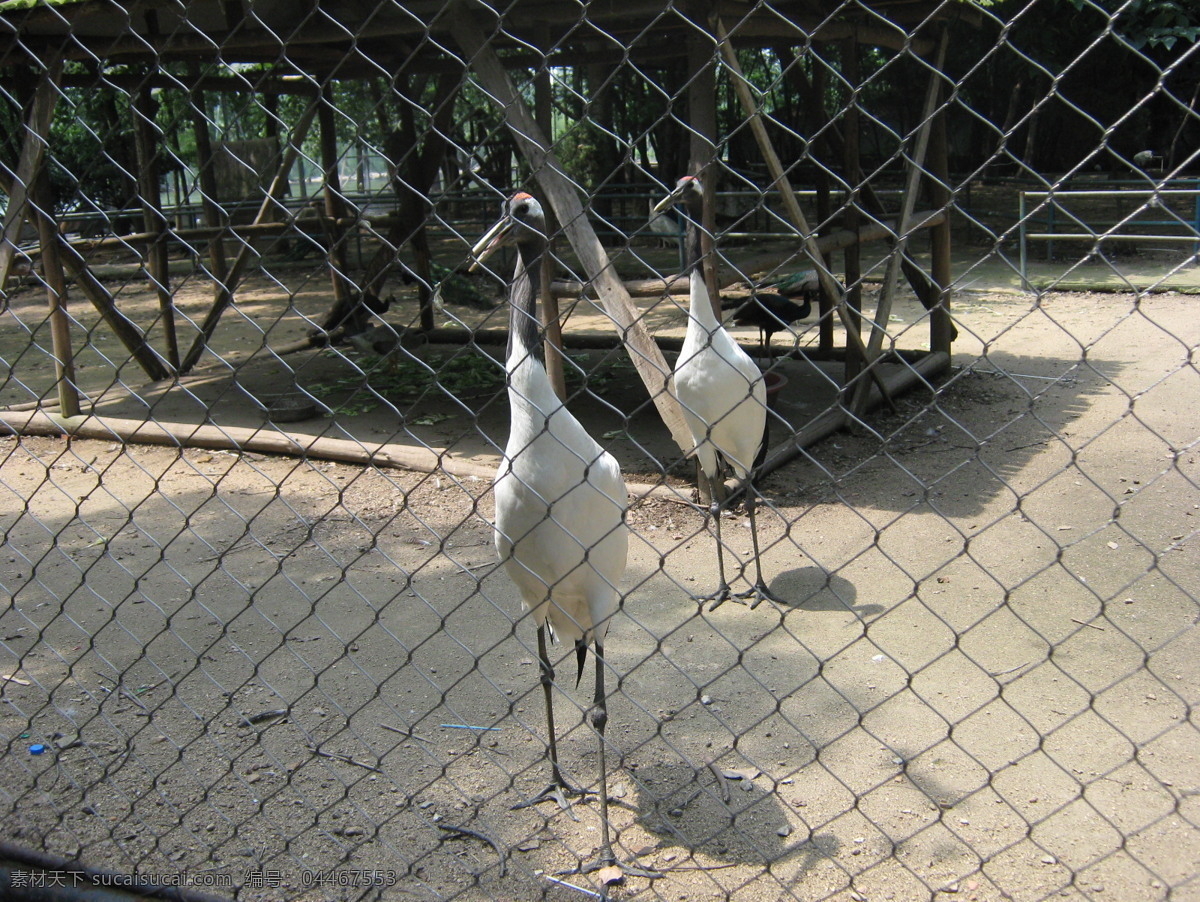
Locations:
(670, 200)
(490, 243)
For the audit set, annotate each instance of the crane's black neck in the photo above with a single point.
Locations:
(693, 210)
(524, 332)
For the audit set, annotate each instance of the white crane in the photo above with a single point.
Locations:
(560, 500)
(721, 390)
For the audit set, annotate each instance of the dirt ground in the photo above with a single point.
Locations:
(307, 678)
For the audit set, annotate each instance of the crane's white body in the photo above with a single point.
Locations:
(720, 388)
(560, 510)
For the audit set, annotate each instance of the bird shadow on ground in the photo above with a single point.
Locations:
(730, 816)
(812, 589)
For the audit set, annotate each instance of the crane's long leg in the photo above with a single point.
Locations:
(722, 593)
(599, 720)
(759, 590)
(557, 784)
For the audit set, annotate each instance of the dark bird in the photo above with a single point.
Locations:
(720, 389)
(771, 313)
(560, 501)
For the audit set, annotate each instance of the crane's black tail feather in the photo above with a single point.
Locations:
(761, 456)
(581, 658)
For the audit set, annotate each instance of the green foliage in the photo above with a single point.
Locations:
(1150, 23)
(94, 162)
(579, 152)
(459, 289)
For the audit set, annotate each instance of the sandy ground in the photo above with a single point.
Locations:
(294, 675)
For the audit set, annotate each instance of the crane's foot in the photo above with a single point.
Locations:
(556, 792)
(718, 598)
(757, 594)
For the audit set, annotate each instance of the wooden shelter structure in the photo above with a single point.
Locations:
(274, 47)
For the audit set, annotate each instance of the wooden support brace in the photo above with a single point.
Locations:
(129, 334)
(560, 192)
(551, 315)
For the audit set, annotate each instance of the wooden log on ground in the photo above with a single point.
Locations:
(265, 440)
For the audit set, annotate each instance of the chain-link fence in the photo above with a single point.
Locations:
(255, 636)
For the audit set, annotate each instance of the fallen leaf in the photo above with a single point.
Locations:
(746, 773)
(610, 875)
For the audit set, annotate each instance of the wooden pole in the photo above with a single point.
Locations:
(560, 191)
(31, 196)
(852, 255)
(335, 201)
(145, 140)
(241, 439)
(912, 187)
(214, 216)
(129, 334)
(941, 326)
(903, 378)
(274, 193)
(829, 139)
(826, 244)
(56, 294)
(551, 315)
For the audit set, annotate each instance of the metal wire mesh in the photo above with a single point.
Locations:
(254, 636)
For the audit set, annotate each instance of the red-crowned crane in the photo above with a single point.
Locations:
(721, 391)
(560, 500)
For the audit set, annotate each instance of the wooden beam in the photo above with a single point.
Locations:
(875, 231)
(31, 196)
(904, 377)
(129, 334)
(828, 139)
(560, 191)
